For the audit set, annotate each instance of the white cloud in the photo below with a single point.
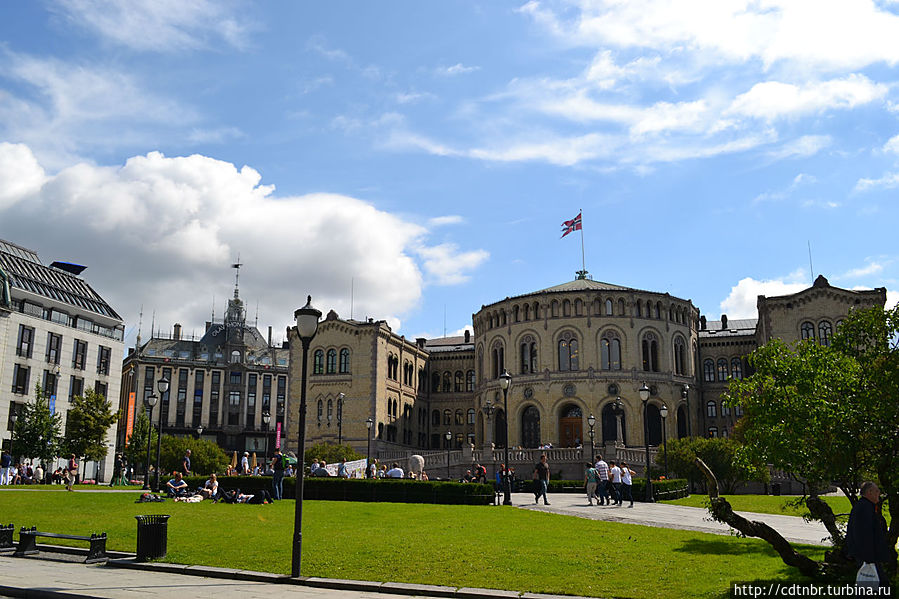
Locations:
(741, 303)
(162, 232)
(773, 99)
(456, 69)
(888, 181)
(413, 97)
(892, 298)
(869, 269)
(447, 266)
(450, 219)
(803, 147)
(892, 145)
(162, 25)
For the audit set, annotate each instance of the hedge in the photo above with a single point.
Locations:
(354, 489)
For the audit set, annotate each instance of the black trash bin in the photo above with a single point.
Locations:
(152, 536)
(775, 488)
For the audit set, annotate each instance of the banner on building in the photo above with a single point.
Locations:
(129, 419)
(354, 469)
(278, 436)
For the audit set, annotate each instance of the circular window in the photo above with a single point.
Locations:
(569, 390)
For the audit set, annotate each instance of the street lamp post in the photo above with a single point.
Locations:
(505, 381)
(266, 418)
(199, 432)
(368, 424)
(149, 404)
(340, 398)
(449, 438)
(591, 420)
(307, 325)
(162, 385)
(664, 412)
(644, 396)
(488, 410)
(685, 394)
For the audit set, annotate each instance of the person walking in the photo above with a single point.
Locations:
(185, 463)
(602, 468)
(591, 479)
(277, 465)
(615, 475)
(627, 483)
(541, 471)
(71, 472)
(866, 533)
(5, 467)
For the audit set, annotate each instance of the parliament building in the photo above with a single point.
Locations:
(577, 349)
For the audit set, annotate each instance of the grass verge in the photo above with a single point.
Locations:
(480, 546)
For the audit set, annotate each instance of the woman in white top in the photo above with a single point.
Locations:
(627, 482)
(615, 477)
(211, 488)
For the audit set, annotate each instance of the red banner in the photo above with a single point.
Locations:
(129, 419)
(278, 436)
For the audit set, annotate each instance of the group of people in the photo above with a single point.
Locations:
(26, 473)
(609, 483)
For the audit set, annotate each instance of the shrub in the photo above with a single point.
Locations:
(206, 456)
(331, 453)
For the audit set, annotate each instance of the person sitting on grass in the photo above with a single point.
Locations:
(177, 487)
(261, 497)
(210, 490)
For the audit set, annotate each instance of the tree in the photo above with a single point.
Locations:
(88, 420)
(331, 453)
(721, 456)
(206, 456)
(36, 432)
(827, 415)
(136, 450)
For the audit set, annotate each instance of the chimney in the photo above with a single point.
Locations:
(270, 336)
(724, 322)
(467, 336)
(702, 323)
(208, 324)
(420, 342)
(177, 334)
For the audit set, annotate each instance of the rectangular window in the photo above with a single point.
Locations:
(181, 405)
(149, 373)
(235, 378)
(282, 392)
(164, 400)
(14, 408)
(54, 343)
(198, 397)
(103, 357)
(26, 341)
(50, 382)
(234, 408)
(251, 399)
(20, 376)
(214, 391)
(100, 388)
(266, 390)
(79, 354)
(76, 387)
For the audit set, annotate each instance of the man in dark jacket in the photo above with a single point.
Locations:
(866, 534)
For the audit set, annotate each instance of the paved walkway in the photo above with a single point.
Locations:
(664, 515)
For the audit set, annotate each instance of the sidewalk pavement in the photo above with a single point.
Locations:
(664, 515)
(48, 578)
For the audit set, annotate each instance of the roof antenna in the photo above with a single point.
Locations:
(153, 324)
(213, 309)
(810, 267)
(237, 266)
(257, 315)
(352, 293)
(444, 320)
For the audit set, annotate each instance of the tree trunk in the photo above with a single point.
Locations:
(722, 511)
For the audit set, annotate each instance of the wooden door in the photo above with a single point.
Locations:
(569, 431)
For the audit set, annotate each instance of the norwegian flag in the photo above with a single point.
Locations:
(571, 225)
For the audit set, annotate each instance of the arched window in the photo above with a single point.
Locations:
(568, 352)
(320, 412)
(435, 382)
(671, 313)
(344, 361)
(578, 307)
(318, 362)
(713, 432)
(566, 308)
(680, 350)
(447, 382)
(330, 411)
(235, 357)
(807, 330)
(471, 416)
(738, 411)
(639, 309)
(530, 427)
(527, 312)
(447, 417)
(458, 381)
(711, 409)
(608, 307)
(460, 418)
(515, 314)
(650, 348)
(658, 310)
(332, 361)
(621, 310)
(469, 380)
(499, 360)
(825, 332)
(528, 355)
(708, 370)
(597, 307)
(722, 369)
(503, 317)
(736, 369)
(435, 418)
(725, 409)
(610, 351)
(554, 306)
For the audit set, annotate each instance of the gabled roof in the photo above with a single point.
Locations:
(28, 274)
(737, 326)
(580, 285)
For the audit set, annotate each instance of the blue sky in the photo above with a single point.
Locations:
(425, 154)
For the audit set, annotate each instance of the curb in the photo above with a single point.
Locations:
(394, 588)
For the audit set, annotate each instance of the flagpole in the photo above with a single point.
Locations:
(583, 255)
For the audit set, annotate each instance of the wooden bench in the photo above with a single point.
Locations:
(28, 543)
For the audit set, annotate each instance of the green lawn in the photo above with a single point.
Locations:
(767, 504)
(481, 546)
